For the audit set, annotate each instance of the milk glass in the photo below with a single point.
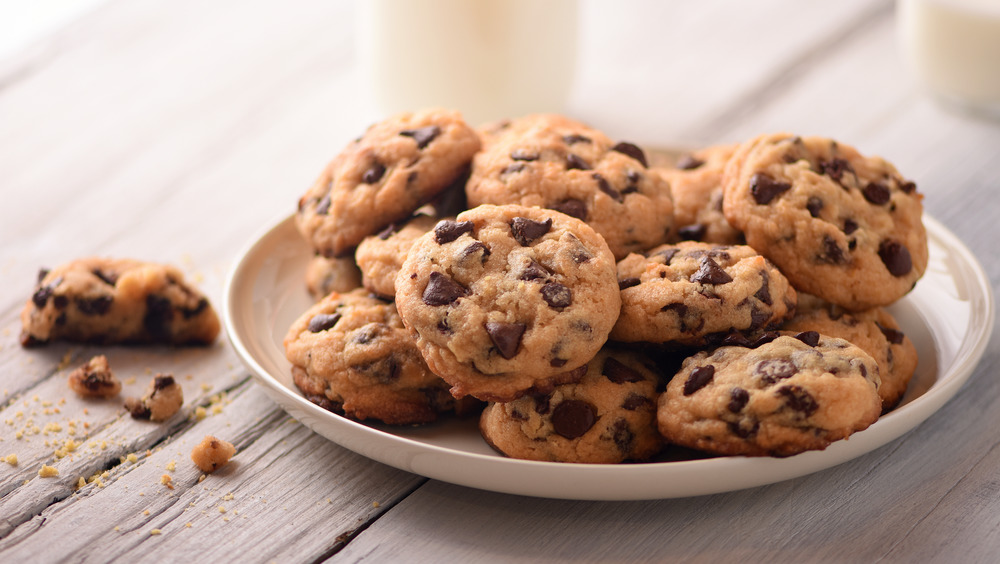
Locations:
(954, 47)
(490, 59)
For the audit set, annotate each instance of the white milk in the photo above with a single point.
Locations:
(491, 59)
(954, 46)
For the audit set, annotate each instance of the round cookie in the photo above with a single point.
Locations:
(796, 393)
(875, 331)
(350, 354)
(696, 187)
(694, 293)
(506, 299)
(381, 256)
(382, 177)
(839, 225)
(109, 301)
(553, 162)
(609, 416)
(325, 275)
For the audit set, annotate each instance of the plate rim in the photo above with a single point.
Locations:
(967, 358)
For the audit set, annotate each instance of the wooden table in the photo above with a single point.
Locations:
(175, 131)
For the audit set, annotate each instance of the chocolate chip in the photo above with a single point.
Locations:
(832, 253)
(631, 150)
(575, 138)
(42, 273)
(161, 381)
(525, 230)
(764, 339)
(423, 135)
(368, 333)
(896, 257)
(738, 399)
(814, 205)
(810, 338)
(159, 314)
(709, 272)
(109, 278)
(758, 317)
(908, 187)
(850, 226)
(764, 292)
(573, 418)
(693, 232)
(534, 271)
(764, 188)
(735, 339)
(523, 155)
(698, 379)
(745, 428)
(94, 306)
(677, 307)
(689, 162)
(835, 168)
(511, 169)
(877, 193)
(604, 186)
(387, 232)
(892, 335)
(771, 370)
(42, 295)
(634, 401)
(556, 295)
(384, 370)
(575, 162)
(619, 373)
(798, 399)
(447, 230)
(506, 337)
(442, 290)
(324, 205)
(628, 283)
(475, 248)
(579, 253)
(323, 321)
(543, 403)
(572, 207)
(622, 436)
(557, 362)
(374, 173)
(667, 254)
(137, 408)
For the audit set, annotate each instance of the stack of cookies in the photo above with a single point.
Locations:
(592, 308)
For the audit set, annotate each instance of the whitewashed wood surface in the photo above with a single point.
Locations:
(174, 131)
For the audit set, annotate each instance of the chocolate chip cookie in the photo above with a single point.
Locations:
(875, 331)
(609, 416)
(507, 299)
(696, 187)
(839, 225)
(109, 301)
(325, 275)
(382, 177)
(381, 256)
(350, 354)
(796, 393)
(695, 293)
(553, 162)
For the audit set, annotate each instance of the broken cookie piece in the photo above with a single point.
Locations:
(95, 379)
(212, 453)
(161, 402)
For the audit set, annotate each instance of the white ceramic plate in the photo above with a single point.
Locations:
(949, 316)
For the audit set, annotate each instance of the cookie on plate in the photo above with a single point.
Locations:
(694, 293)
(796, 393)
(609, 416)
(381, 256)
(350, 354)
(696, 187)
(507, 299)
(395, 167)
(553, 162)
(839, 225)
(875, 331)
(325, 275)
(110, 301)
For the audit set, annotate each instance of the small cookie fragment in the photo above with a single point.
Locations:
(95, 379)
(161, 401)
(211, 454)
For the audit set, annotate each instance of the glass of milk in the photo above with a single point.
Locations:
(954, 47)
(490, 59)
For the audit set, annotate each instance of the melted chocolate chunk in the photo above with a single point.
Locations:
(475, 248)
(525, 230)
(698, 379)
(850, 226)
(677, 307)
(810, 338)
(572, 207)
(764, 188)
(628, 283)
(604, 186)
(764, 292)
(447, 231)
(323, 321)
(896, 257)
(374, 173)
(622, 436)
(384, 370)
(814, 205)
(94, 306)
(693, 232)
(368, 333)
(574, 162)
(506, 337)
(442, 290)
(161, 381)
(908, 187)
(738, 399)
(575, 138)
(892, 335)
(557, 362)
(635, 401)
(557, 295)
(387, 232)
(631, 150)
(523, 155)
(758, 317)
(534, 271)
(877, 193)
(109, 278)
(159, 314)
(511, 169)
(619, 373)
(835, 168)
(42, 295)
(832, 253)
(667, 254)
(745, 428)
(798, 399)
(573, 418)
(689, 162)
(709, 272)
(423, 136)
(771, 370)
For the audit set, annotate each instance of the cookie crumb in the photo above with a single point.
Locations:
(172, 465)
(166, 480)
(162, 400)
(375, 504)
(95, 379)
(11, 459)
(47, 471)
(212, 453)
(156, 532)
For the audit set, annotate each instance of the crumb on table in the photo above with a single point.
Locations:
(162, 400)
(212, 453)
(94, 379)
